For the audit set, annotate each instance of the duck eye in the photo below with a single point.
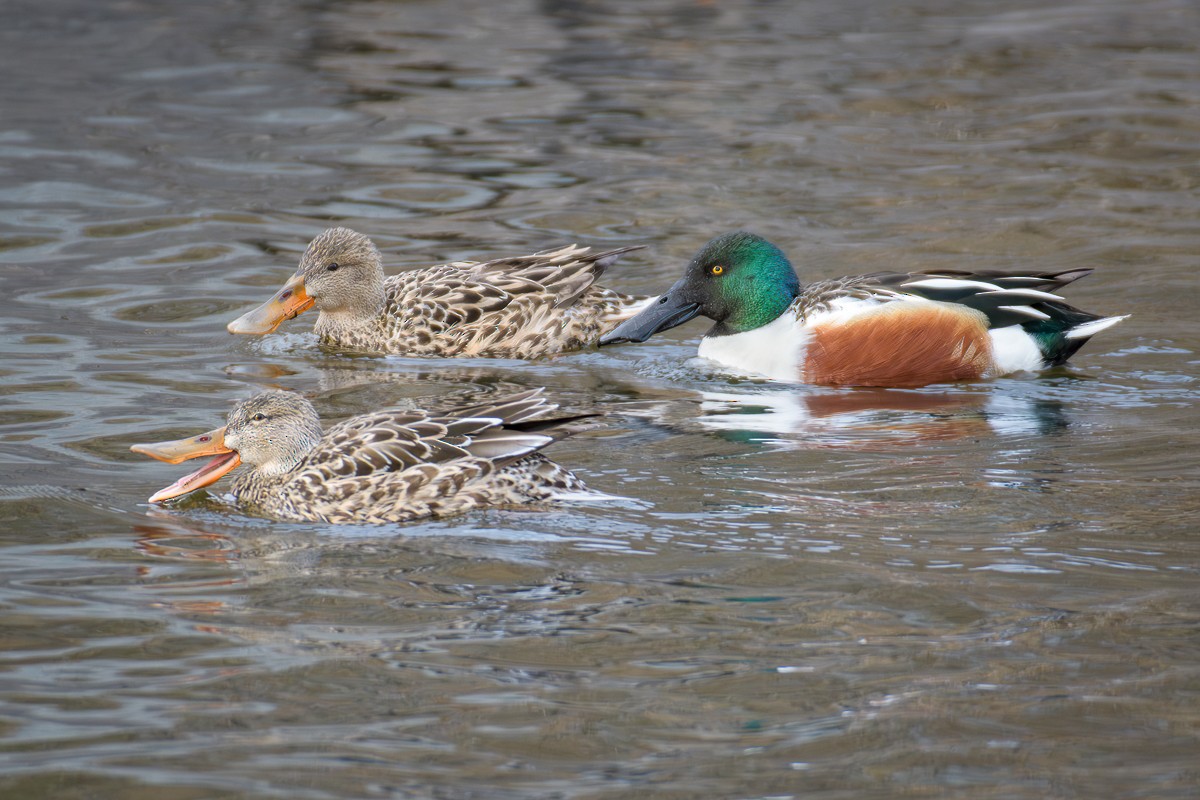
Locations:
(332, 267)
(717, 270)
(259, 417)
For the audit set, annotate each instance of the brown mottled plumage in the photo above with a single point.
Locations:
(520, 307)
(389, 466)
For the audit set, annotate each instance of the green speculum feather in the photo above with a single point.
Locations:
(1051, 340)
(1050, 334)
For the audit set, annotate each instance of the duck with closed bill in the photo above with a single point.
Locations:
(520, 307)
(883, 329)
(389, 466)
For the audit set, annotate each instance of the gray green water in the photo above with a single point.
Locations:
(984, 591)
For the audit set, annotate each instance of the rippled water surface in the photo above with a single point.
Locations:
(984, 591)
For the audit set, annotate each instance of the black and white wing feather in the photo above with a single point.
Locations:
(1006, 298)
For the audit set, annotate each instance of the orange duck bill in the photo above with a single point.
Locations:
(179, 450)
(288, 303)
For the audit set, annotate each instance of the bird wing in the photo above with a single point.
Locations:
(1005, 298)
(400, 440)
(463, 293)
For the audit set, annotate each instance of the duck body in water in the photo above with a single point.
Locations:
(389, 466)
(520, 307)
(883, 329)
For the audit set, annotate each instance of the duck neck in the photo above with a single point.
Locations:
(761, 308)
(293, 447)
(365, 313)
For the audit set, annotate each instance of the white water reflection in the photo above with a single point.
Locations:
(803, 416)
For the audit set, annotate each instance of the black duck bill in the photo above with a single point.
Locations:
(180, 450)
(674, 307)
(288, 303)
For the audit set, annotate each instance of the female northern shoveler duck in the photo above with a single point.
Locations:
(390, 466)
(883, 329)
(521, 307)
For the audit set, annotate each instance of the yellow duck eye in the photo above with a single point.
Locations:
(717, 270)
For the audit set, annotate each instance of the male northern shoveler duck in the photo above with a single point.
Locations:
(521, 307)
(390, 466)
(884, 329)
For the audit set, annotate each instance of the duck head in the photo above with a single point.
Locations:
(271, 432)
(340, 273)
(739, 280)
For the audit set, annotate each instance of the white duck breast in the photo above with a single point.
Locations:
(777, 350)
(774, 350)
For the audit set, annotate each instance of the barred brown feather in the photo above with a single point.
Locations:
(395, 466)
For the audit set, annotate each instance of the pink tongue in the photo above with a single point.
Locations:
(193, 480)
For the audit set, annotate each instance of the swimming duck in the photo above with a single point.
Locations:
(390, 466)
(883, 329)
(521, 307)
